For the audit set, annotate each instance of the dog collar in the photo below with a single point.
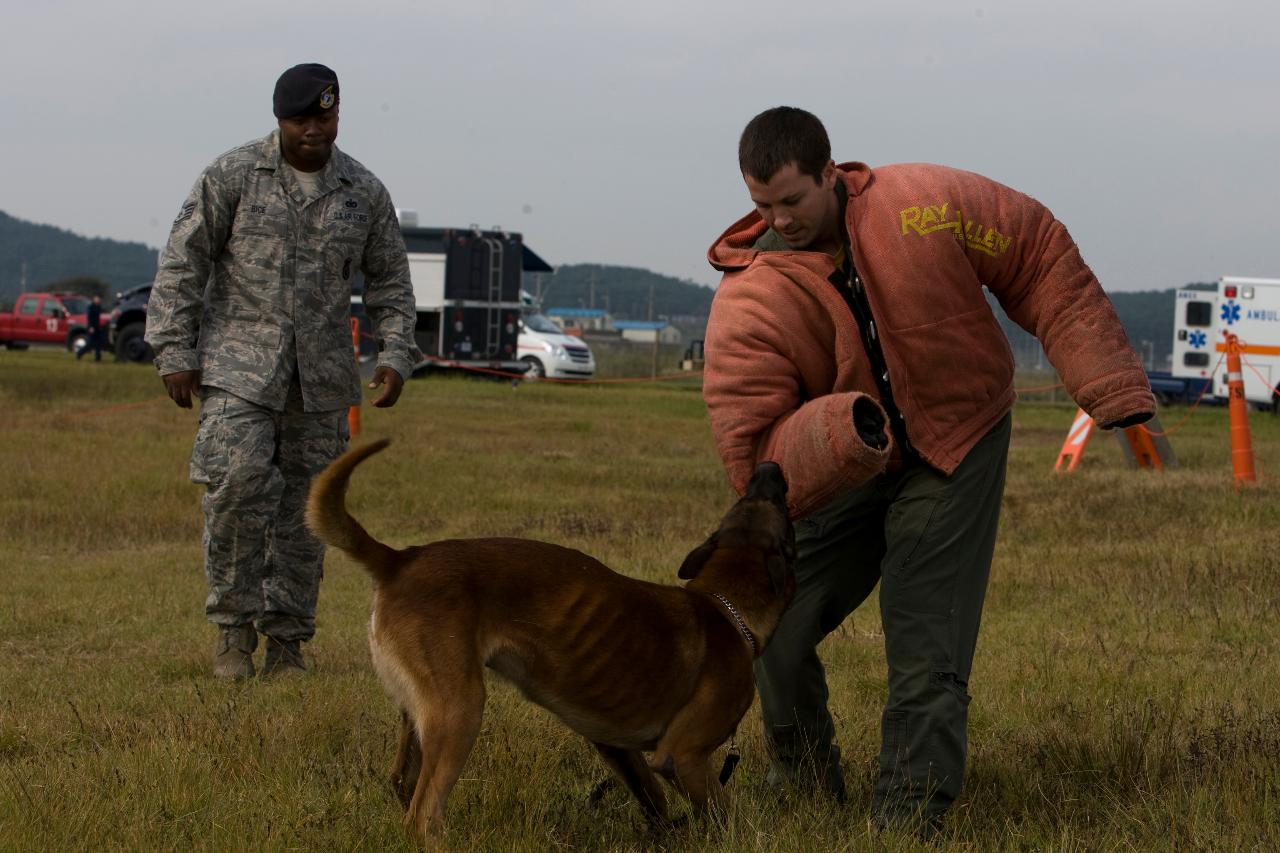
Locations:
(742, 624)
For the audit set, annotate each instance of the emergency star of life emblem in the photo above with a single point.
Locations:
(326, 98)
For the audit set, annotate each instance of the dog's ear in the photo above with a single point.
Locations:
(698, 557)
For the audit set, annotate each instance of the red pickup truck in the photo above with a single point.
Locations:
(47, 318)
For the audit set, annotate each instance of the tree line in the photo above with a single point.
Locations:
(42, 257)
(50, 258)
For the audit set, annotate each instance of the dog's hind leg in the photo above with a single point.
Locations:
(408, 761)
(454, 717)
(634, 772)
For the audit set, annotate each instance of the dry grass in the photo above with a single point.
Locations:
(1127, 683)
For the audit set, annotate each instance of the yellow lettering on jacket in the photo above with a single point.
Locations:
(911, 219)
(931, 218)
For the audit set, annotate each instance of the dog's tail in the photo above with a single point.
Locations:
(329, 520)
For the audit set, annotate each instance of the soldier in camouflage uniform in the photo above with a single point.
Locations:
(249, 313)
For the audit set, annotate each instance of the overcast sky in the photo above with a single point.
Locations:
(607, 132)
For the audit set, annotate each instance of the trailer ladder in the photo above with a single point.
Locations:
(493, 314)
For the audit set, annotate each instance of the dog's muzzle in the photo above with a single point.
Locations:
(767, 483)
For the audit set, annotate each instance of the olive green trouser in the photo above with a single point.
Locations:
(262, 563)
(928, 540)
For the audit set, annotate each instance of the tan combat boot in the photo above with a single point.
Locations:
(233, 655)
(284, 657)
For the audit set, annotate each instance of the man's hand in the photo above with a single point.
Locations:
(394, 384)
(182, 386)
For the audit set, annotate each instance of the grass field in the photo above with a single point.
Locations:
(1126, 687)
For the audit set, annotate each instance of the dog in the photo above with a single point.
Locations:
(632, 666)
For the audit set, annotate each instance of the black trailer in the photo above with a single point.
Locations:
(466, 285)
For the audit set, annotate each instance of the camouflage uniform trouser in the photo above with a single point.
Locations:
(261, 562)
(927, 540)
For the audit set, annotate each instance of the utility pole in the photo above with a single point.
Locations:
(654, 373)
(23, 279)
(592, 303)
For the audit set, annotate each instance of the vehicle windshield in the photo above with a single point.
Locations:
(75, 304)
(542, 323)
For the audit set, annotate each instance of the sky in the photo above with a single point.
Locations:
(606, 132)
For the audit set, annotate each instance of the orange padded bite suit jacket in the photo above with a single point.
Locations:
(785, 359)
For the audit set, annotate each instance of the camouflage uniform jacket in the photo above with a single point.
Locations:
(255, 282)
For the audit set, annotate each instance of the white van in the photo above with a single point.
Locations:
(550, 352)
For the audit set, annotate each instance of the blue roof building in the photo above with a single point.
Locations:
(591, 319)
(647, 330)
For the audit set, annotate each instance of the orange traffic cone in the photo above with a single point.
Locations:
(1147, 446)
(1073, 448)
(1143, 449)
(1238, 408)
(353, 414)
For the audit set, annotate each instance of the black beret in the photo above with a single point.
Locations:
(303, 90)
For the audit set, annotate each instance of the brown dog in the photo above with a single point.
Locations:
(630, 665)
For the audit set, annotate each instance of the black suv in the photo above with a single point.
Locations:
(129, 323)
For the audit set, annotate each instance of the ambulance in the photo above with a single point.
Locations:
(1248, 308)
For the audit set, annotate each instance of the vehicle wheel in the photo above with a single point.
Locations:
(130, 346)
(77, 340)
(536, 370)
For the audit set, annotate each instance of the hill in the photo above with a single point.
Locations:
(1147, 315)
(621, 291)
(52, 254)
